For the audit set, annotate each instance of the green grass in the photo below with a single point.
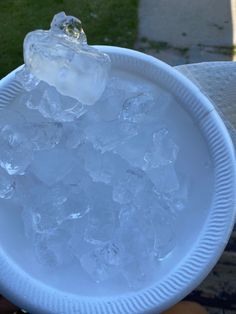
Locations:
(109, 22)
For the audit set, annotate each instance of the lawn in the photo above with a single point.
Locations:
(109, 22)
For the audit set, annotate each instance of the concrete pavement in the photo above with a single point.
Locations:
(187, 31)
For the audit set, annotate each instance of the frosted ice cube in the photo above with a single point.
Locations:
(103, 262)
(135, 265)
(109, 106)
(44, 209)
(177, 199)
(164, 241)
(77, 178)
(135, 148)
(147, 234)
(165, 178)
(77, 243)
(47, 209)
(45, 135)
(77, 205)
(7, 185)
(136, 108)
(100, 228)
(73, 135)
(133, 183)
(52, 249)
(62, 58)
(102, 167)
(106, 136)
(16, 150)
(54, 106)
(102, 219)
(163, 151)
(40, 220)
(51, 166)
(44, 255)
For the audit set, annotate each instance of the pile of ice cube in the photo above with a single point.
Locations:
(95, 176)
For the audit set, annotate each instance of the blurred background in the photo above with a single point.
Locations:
(106, 22)
(177, 32)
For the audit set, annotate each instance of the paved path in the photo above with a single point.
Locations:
(187, 31)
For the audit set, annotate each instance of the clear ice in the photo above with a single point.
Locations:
(97, 185)
(61, 58)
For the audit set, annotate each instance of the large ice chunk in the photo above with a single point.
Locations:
(62, 58)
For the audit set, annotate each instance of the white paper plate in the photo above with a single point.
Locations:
(201, 232)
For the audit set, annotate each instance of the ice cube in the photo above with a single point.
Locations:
(177, 200)
(16, 150)
(54, 106)
(44, 209)
(27, 80)
(45, 135)
(68, 25)
(77, 243)
(164, 241)
(109, 106)
(52, 166)
(106, 136)
(73, 135)
(136, 108)
(7, 185)
(103, 262)
(147, 235)
(164, 178)
(163, 151)
(62, 58)
(78, 178)
(77, 205)
(134, 149)
(44, 255)
(128, 188)
(102, 167)
(136, 263)
(52, 249)
(103, 218)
